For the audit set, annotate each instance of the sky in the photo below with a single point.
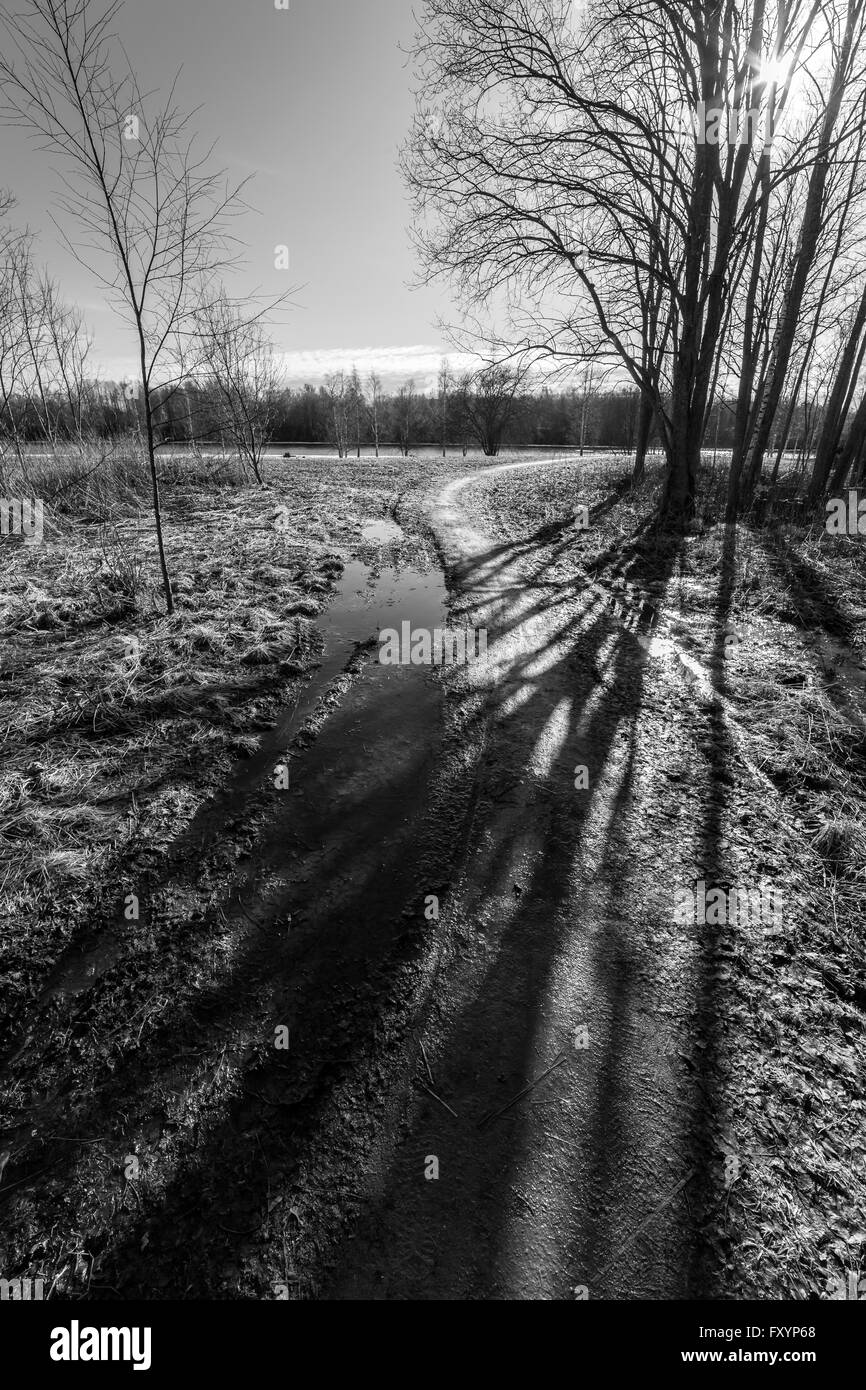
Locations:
(313, 101)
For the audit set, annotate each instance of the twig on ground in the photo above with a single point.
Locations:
(488, 1119)
(427, 1064)
(442, 1102)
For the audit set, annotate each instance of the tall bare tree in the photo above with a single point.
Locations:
(374, 383)
(236, 359)
(492, 403)
(356, 405)
(405, 415)
(337, 392)
(443, 386)
(152, 210)
(846, 59)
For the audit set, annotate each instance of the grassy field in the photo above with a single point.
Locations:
(120, 725)
(117, 721)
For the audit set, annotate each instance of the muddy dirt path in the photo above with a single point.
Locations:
(566, 958)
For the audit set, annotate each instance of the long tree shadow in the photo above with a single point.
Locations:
(710, 1017)
(817, 604)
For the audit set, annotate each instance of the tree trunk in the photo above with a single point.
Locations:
(644, 425)
(751, 345)
(682, 446)
(157, 512)
(684, 457)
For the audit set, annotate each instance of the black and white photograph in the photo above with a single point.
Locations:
(432, 671)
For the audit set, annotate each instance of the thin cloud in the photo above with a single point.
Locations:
(395, 365)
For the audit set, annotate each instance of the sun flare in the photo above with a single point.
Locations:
(776, 71)
(786, 78)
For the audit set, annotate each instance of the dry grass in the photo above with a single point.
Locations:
(116, 721)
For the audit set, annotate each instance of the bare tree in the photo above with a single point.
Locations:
(337, 393)
(492, 403)
(70, 344)
(461, 397)
(847, 370)
(13, 346)
(845, 52)
(237, 360)
(356, 405)
(375, 384)
(153, 213)
(406, 398)
(550, 160)
(443, 385)
(53, 347)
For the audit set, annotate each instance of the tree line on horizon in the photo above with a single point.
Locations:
(47, 398)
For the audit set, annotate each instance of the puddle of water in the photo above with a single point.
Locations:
(364, 602)
(382, 530)
(366, 599)
(359, 795)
